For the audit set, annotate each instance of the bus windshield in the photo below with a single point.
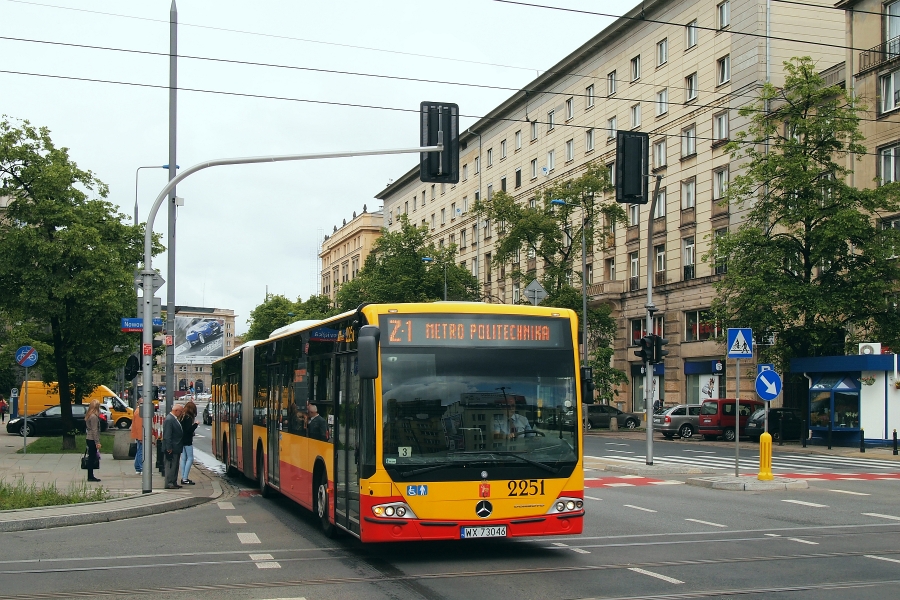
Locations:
(452, 412)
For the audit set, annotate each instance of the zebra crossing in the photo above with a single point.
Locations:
(787, 463)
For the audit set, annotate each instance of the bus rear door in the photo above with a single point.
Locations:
(346, 446)
(274, 424)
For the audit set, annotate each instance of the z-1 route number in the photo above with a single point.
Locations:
(526, 487)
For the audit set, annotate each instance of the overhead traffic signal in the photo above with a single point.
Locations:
(439, 123)
(658, 353)
(646, 348)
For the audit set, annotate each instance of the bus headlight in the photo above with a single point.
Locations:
(566, 505)
(394, 510)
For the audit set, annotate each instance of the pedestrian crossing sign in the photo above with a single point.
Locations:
(740, 342)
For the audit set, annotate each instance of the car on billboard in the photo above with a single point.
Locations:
(203, 330)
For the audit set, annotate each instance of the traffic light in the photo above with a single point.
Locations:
(439, 123)
(658, 352)
(632, 154)
(646, 351)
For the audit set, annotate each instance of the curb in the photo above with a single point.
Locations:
(660, 470)
(747, 484)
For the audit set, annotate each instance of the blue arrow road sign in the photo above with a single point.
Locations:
(26, 356)
(768, 385)
(740, 342)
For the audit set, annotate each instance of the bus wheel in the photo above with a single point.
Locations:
(264, 490)
(322, 505)
(229, 470)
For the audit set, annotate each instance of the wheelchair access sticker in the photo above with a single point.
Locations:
(417, 490)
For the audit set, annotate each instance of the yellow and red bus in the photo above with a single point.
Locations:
(430, 421)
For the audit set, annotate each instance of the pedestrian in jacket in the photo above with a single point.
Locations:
(92, 437)
(137, 436)
(188, 426)
(4, 408)
(172, 445)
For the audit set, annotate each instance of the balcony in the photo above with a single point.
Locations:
(605, 287)
(659, 278)
(880, 54)
(634, 283)
(688, 272)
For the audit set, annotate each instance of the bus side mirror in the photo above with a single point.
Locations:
(367, 348)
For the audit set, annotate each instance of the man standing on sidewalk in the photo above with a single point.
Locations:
(172, 445)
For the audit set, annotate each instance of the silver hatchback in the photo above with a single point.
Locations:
(682, 420)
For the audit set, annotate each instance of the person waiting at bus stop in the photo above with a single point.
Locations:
(172, 445)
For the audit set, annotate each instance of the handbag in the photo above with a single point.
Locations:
(85, 461)
(132, 450)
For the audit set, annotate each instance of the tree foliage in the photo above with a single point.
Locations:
(66, 262)
(395, 272)
(277, 311)
(810, 266)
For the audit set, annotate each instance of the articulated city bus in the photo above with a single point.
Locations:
(396, 422)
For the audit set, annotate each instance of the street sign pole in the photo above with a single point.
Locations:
(651, 308)
(737, 422)
(739, 345)
(26, 356)
(25, 422)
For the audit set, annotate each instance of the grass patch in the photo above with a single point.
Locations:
(53, 444)
(18, 495)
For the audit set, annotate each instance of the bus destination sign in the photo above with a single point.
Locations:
(474, 330)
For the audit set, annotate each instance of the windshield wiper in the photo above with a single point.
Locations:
(430, 468)
(530, 461)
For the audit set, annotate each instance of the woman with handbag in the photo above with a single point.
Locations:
(188, 426)
(92, 437)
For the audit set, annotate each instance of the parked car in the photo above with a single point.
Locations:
(785, 422)
(203, 330)
(717, 418)
(598, 415)
(207, 414)
(49, 422)
(682, 420)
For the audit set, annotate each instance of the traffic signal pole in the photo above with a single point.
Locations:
(649, 359)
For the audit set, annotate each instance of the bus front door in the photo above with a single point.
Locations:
(274, 425)
(346, 446)
(234, 415)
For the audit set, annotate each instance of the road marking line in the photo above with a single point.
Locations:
(706, 522)
(261, 557)
(622, 451)
(849, 492)
(592, 498)
(893, 560)
(614, 444)
(235, 519)
(249, 538)
(813, 504)
(639, 508)
(560, 544)
(772, 535)
(667, 482)
(893, 518)
(225, 505)
(268, 565)
(803, 541)
(580, 551)
(631, 476)
(619, 485)
(851, 478)
(657, 575)
(701, 451)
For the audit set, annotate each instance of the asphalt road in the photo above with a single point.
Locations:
(643, 538)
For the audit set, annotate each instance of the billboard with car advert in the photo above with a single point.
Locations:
(199, 340)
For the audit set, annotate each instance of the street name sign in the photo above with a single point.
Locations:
(131, 325)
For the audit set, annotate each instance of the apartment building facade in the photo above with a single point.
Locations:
(678, 70)
(345, 250)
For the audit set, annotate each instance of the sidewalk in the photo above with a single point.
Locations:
(117, 476)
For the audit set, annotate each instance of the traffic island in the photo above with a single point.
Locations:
(748, 483)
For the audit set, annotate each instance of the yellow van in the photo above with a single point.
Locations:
(42, 396)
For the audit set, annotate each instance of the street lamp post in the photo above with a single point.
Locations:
(428, 259)
(136, 186)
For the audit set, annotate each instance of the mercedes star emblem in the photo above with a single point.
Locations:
(484, 474)
(484, 509)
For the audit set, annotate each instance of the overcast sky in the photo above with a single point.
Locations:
(246, 229)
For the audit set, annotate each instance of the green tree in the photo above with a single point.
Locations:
(810, 266)
(66, 262)
(276, 311)
(395, 272)
(315, 307)
(546, 230)
(601, 336)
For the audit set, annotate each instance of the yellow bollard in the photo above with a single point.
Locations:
(765, 457)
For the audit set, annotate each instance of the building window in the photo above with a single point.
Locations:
(443, 216)
(588, 140)
(636, 68)
(688, 257)
(462, 238)
(432, 221)
(660, 254)
(490, 157)
(423, 198)
(452, 216)
(721, 262)
(465, 207)
(502, 149)
(724, 14)
(635, 116)
(534, 130)
(634, 215)
(890, 91)
(660, 210)
(690, 34)
(662, 102)
(534, 168)
(490, 192)
(477, 165)
(690, 87)
(611, 172)
(516, 293)
(589, 96)
(406, 207)
(662, 52)
(611, 83)
(570, 109)
(699, 326)
(465, 172)
(723, 70)
(720, 183)
(688, 193)
(503, 184)
(635, 271)
(890, 165)
(720, 127)
(519, 140)
(689, 141)
(610, 269)
(611, 128)
(433, 191)
(570, 150)
(518, 177)
(550, 120)
(551, 162)
(659, 154)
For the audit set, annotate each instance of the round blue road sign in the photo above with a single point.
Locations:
(26, 356)
(768, 385)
